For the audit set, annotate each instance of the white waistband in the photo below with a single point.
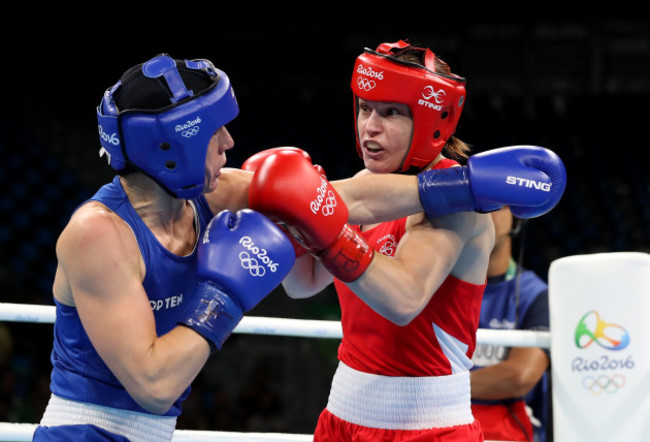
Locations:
(137, 427)
(400, 403)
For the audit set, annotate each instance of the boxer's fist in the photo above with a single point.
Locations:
(288, 189)
(528, 179)
(241, 258)
(254, 161)
(246, 254)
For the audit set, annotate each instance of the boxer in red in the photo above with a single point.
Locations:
(410, 289)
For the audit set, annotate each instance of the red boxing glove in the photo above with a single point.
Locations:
(253, 162)
(287, 188)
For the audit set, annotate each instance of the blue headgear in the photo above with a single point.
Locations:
(168, 143)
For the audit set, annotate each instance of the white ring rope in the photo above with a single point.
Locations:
(306, 328)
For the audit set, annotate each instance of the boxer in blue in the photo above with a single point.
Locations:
(149, 281)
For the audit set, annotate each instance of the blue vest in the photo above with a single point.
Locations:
(501, 309)
(78, 373)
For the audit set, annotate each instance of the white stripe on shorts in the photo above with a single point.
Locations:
(137, 427)
(400, 403)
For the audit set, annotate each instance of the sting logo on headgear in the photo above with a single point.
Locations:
(438, 97)
(435, 99)
(166, 133)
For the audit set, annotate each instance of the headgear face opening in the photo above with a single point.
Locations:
(435, 100)
(168, 142)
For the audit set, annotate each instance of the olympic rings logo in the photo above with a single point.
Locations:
(190, 128)
(330, 204)
(325, 198)
(190, 132)
(603, 383)
(365, 84)
(251, 264)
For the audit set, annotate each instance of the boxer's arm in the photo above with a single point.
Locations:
(513, 377)
(100, 265)
(231, 192)
(241, 258)
(373, 198)
(307, 278)
(369, 198)
(287, 188)
(399, 287)
(529, 179)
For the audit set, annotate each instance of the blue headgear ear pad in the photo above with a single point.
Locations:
(169, 144)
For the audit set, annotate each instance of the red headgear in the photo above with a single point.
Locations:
(435, 99)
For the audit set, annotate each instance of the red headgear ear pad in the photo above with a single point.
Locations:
(435, 100)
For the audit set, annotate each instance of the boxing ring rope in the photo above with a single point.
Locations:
(254, 325)
(305, 328)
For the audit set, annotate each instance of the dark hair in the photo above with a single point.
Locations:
(455, 147)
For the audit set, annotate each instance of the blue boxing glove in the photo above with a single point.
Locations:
(241, 258)
(528, 179)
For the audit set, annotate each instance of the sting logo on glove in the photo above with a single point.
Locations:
(531, 184)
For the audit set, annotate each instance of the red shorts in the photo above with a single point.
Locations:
(332, 429)
(504, 422)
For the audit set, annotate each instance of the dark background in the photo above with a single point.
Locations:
(572, 78)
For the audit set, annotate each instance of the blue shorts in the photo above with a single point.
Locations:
(67, 433)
